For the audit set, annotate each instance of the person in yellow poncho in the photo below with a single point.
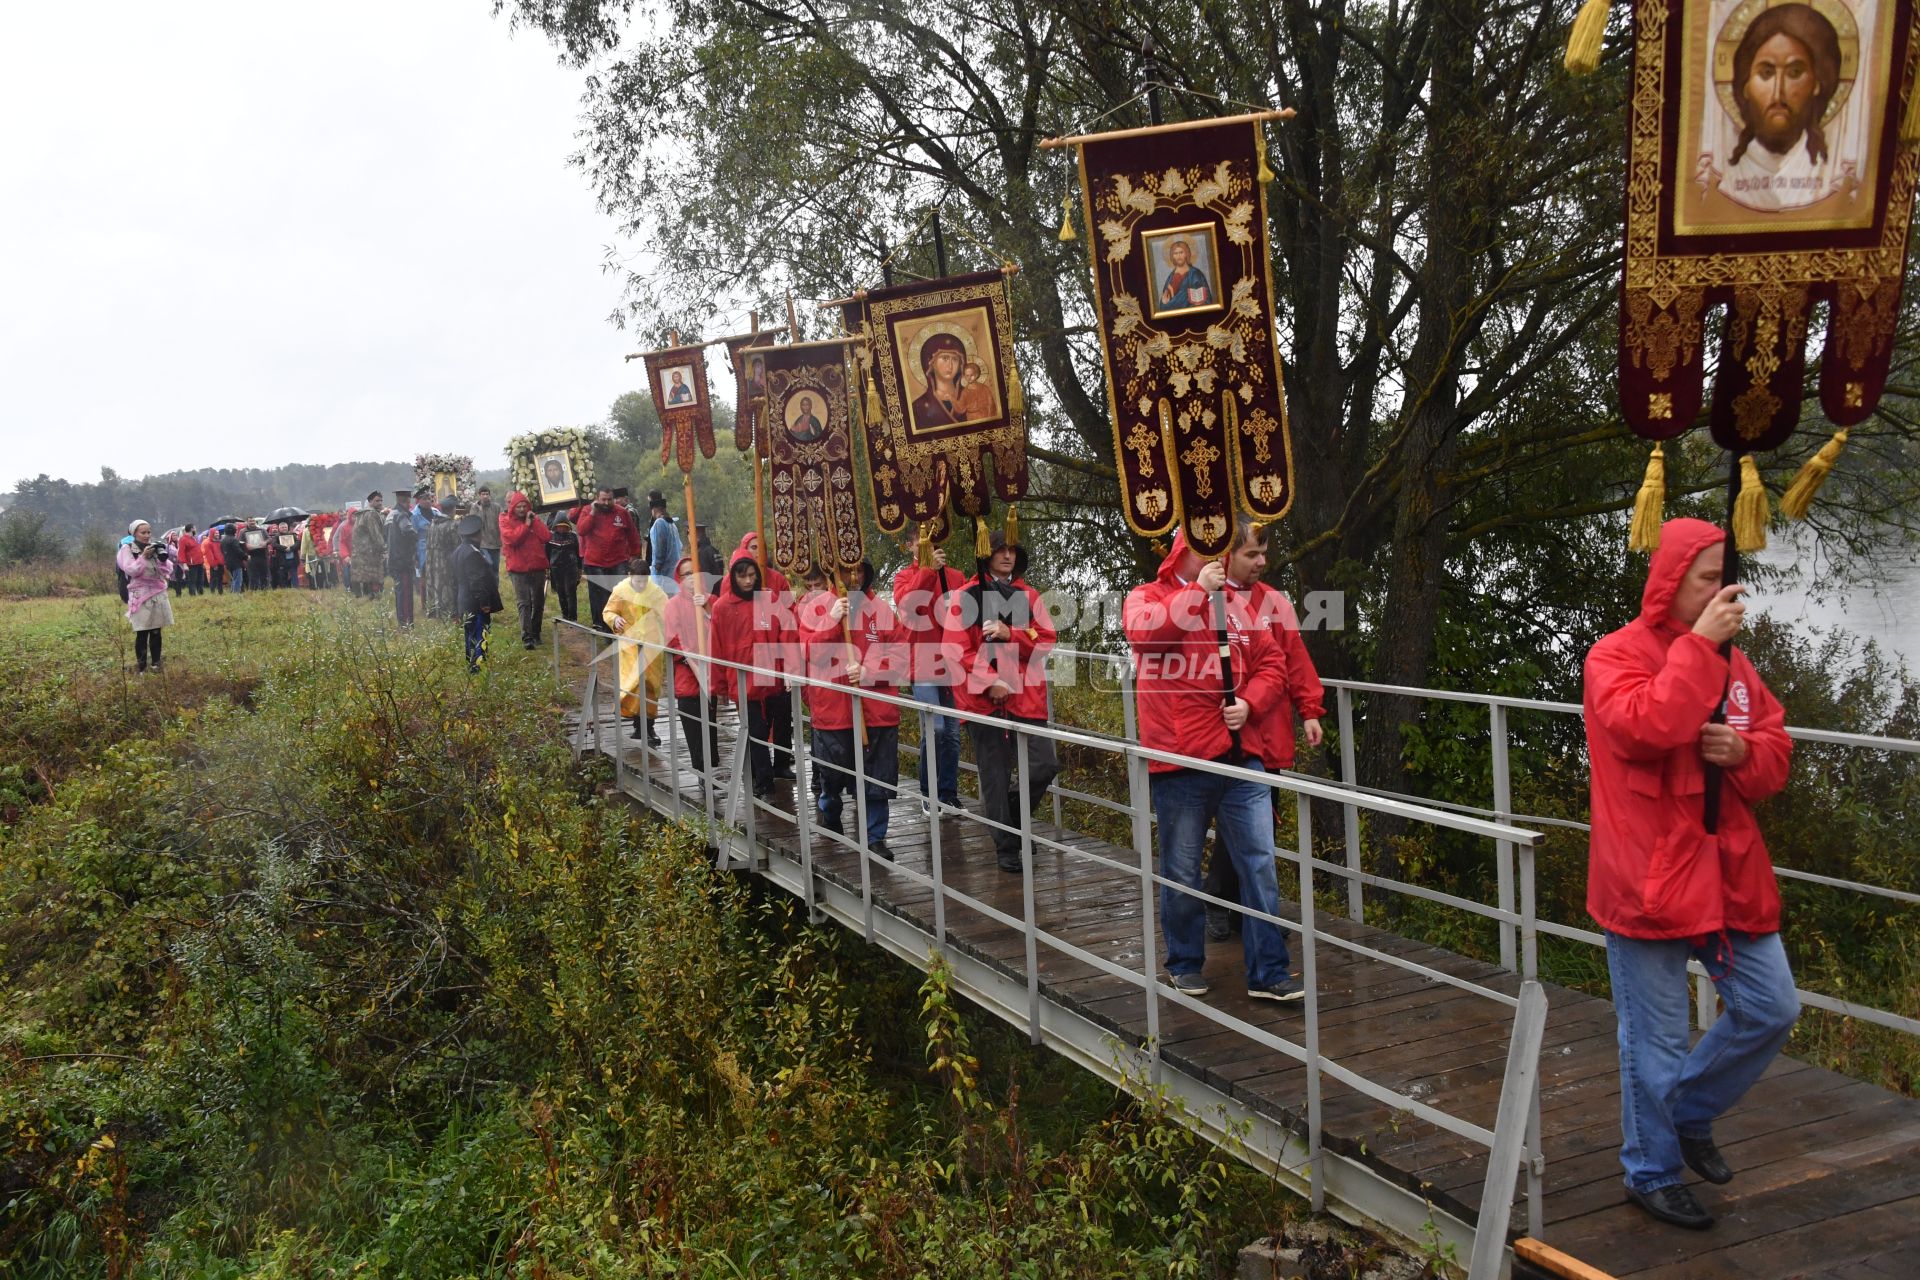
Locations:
(633, 612)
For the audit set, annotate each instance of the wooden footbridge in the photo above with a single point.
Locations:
(1436, 1097)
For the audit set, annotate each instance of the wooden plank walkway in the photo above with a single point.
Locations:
(1828, 1167)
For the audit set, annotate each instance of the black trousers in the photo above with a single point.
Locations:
(597, 593)
(566, 591)
(530, 601)
(769, 728)
(217, 579)
(146, 648)
(703, 743)
(996, 752)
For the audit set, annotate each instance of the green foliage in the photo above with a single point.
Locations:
(25, 537)
(362, 973)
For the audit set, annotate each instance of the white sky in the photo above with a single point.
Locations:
(250, 234)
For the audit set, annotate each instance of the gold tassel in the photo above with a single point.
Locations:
(1750, 511)
(982, 540)
(875, 414)
(1799, 495)
(1260, 149)
(1585, 40)
(925, 556)
(1648, 507)
(1910, 118)
(1016, 396)
(1066, 217)
(1013, 526)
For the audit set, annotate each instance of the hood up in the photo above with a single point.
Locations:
(1681, 541)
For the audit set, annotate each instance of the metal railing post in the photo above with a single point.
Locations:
(803, 805)
(709, 722)
(1310, 978)
(1503, 814)
(1023, 777)
(1029, 925)
(619, 747)
(1521, 1082)
(860, 806)
(673, 732)
(934, 817)
(1530, 970)
(1706, 1001)
(1350, 774)
(1140, 792)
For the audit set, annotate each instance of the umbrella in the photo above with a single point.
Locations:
(289, 514)
(223, 520)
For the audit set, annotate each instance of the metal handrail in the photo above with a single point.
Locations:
(1305, 789)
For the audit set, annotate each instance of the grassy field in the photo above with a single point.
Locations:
(320, 956)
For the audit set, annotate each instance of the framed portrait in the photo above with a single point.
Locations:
(805, 415)
(1183, 264)
(948, 369)
(446, 487)
(1779, 125)
(678, 388)
(554, 473)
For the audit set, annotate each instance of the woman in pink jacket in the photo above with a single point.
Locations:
(149, 567)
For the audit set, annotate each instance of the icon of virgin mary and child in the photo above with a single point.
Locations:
(954, 392)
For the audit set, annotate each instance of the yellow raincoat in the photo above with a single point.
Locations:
(633, 611)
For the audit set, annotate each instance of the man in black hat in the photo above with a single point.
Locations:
(477, 587)
(664, 543)
(403, 544)
(489, 524)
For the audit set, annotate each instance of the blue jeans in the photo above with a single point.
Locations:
(476, 629)
(946, 743)
(1665, 1090)
(1185, 802)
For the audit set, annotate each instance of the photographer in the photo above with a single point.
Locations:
(149, 566)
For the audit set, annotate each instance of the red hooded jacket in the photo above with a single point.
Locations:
(881, 643)
(607, 539)
(977, 663)
(920, 598)
(1302, 694)
(757, 630)
(773, 578)
(1177, 684)
(523, 542)
(687, 632)
(1652, 869)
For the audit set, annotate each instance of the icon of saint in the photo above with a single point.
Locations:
(938, 404)
(679, 392)
(805, 426)
(1186, 285)
(1785, 72)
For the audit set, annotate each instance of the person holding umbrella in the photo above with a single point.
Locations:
(1668, 700)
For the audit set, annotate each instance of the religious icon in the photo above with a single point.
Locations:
(946, 365)
(446, 486)
(756, 376)
(1183, 268)
(677, 387)
(804, 423)
(1779, 101)
(555, 472)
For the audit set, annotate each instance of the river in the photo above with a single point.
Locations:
(1886, 608)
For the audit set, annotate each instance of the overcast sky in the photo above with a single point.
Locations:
(249, 234)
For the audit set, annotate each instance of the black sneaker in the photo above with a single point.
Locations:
(1705, 1159)
(1010, 863)
(1285, 989)
(1188, 984)
(1219, 923)
(880, 850)
(1673, 1205)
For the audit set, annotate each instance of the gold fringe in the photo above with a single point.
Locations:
(1016, 395)
(982, 540)
(1799, 495)
(1589, 34)
(1649, 505)
(1013, 526)
(1066, 217)
(1750, 510)
(924, 557)
(1260, 149)
(875, 414)
(1910, 118)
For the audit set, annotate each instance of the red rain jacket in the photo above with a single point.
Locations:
(523, 542)
(684, 629)
(976, 663)
(1652, 869)
(1177, 685)
(879, 640)
(606, 540)
(1301, 694)
(757, 630)
(920, 597)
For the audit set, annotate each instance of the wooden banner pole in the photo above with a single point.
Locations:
(693, 552)
(761, 425)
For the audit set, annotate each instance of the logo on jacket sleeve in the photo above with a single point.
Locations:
(1739, 706)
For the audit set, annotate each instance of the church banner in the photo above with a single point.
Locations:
(1767, 171)
(948, 399)
(678, 378)
(816, 512)
(747, 356)
(1177, 220)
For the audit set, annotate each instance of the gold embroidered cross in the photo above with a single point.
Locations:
(1144, 444)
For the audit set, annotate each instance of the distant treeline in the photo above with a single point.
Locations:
(69, 512)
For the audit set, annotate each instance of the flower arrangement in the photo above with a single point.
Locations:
(523, 450)
(458, 465)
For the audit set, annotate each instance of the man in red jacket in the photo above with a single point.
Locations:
(1186, 706)
(753, 626)
(874, 658)
(1302, 695)
(609, 537)
(523, 543)
(1664, 888)
(920, 598)
(998, 634)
